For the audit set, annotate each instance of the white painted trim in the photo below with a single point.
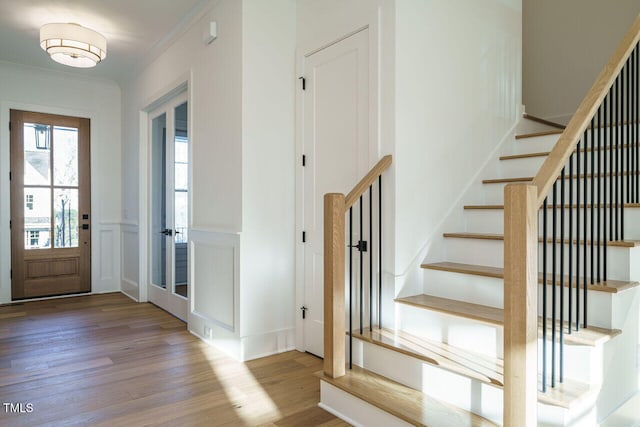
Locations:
(129, 296)
(337, 414)
(5, 189)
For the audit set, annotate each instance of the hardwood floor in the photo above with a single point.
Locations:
(104, 360)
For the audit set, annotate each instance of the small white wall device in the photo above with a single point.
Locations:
(210, 32)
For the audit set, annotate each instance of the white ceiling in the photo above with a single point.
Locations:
(135, 30)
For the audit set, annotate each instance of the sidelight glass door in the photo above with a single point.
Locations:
(169, 207)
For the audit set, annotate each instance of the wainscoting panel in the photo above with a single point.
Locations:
(105, 255)
(215, 278)
(130, 261)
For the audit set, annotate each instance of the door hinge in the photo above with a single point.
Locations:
(304, 237)
(304, 160)
(304, 83)
(9, 126)
(11, 273)
(9, 176)
(10, 224)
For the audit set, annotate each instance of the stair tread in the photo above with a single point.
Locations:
(488, 370)
(401, 401)
(495, 236)
(591, 336)
(567, 176)
(546, 153)
(611, 286)
(536, 134)
(566, 206)
(473, 365)
(543, 121)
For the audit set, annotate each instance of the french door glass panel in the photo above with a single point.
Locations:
(181, 199)
(158, 201)
(170, 200)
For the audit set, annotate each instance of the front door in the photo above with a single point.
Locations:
(50, 205)
(336, 141)
(169, 255)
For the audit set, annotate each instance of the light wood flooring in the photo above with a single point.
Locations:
(104, 360)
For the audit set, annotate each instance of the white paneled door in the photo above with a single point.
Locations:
(169, 207)
(335, 122)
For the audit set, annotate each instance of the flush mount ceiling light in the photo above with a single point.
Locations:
(73, 45)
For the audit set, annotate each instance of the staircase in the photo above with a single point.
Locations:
(443, 363)
(529, 311)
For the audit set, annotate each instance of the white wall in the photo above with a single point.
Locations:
(241, 99)
(39, 90)
(458, 93)
(565, 46)
(268, 172)
(213, 75)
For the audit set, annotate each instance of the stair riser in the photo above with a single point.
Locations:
(460, 391)
(489, 291)
(492, 221)
(527, 166)
(532, 145)
(491, 253)
(471, 395)
(353, 410)
(582, 363)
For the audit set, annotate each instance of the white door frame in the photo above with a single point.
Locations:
(374, 153)
(180, 86)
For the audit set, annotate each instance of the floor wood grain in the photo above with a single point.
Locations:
(104, 360)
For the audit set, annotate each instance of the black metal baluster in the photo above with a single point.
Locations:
(637, 123)
(570, 258)
(625, 131)
(604, 190)
(561, 327)
(616, 163)
(612, 144)
(351, 287)
(627, 128)
(592, 196)
(544, 295)
(599, 193)
(585, 245)
(380, 251)
(360, 250)
(578, 170)
(370, 258)
(553, 282)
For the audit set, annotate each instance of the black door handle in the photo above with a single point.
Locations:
(167, 232)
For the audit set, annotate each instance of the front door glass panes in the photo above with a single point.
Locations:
(50, 196)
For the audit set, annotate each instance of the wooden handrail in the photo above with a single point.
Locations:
(567, 142)
(365, 182)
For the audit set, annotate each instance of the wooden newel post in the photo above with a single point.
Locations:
(520, 305)
(334, 249)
